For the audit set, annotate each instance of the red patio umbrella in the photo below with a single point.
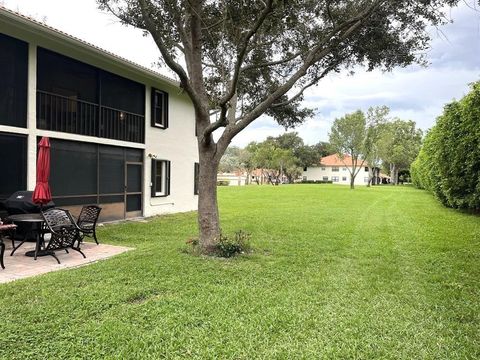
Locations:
(41, 194)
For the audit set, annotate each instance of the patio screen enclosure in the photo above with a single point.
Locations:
(85, 173)
(78, 98)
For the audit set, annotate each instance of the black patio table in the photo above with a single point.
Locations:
(36, 220)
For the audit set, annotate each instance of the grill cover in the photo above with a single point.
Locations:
(20, 202)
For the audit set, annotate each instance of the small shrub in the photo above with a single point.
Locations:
(223, 182)
(228, 247)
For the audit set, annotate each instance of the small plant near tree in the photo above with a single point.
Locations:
(226, 246)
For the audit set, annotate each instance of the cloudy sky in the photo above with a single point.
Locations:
(414, 93)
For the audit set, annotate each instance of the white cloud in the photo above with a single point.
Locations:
(413, 93)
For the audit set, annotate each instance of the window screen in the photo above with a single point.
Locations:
(73, 169)
(13, 160)
(13, 81)
(134, 178)
(159, 109)
(65, 76)
(160, 178)
(122, 94)
(112, 170)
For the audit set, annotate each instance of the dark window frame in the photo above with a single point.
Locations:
(335, 169)
(165, 177)
(162, 123)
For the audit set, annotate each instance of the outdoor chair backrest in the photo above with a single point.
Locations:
(56, 219)
(64, 231)
(88, 216)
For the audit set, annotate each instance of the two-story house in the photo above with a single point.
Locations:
(121, 135)
(333, 168)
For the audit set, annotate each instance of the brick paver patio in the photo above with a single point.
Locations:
(20, 266)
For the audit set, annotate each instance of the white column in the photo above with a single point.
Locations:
(32, 116)
(146, 160)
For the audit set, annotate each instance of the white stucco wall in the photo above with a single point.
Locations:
(319, 172)
(178, 144)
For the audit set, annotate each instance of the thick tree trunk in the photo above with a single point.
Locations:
(352, 182)
(208, 215)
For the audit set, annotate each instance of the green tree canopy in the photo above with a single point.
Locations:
(399, 145)
(238, 60)
(449, 161)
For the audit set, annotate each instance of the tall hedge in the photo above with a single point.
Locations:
(449, 162)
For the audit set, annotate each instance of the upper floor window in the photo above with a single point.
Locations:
(159, 109)
(323, 169)
(335, 168)
(366, 168)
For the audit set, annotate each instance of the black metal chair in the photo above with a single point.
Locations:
(64, 232)
(87, 221)
(5, 229)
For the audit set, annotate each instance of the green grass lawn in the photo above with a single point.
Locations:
(384, 273)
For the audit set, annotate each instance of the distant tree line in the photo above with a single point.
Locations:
(376, 139)
(448, 164)
(373, 137)
(284, 155)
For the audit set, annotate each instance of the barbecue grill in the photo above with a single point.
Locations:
(20, 202)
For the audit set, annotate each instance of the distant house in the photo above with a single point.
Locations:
(333, 168)
(232, 179)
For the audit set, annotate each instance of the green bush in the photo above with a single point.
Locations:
(228, 247)
(223, 182)
(448, 164)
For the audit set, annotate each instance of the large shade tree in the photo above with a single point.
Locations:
(238, 60)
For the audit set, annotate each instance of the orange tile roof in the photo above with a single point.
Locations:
(334, 160)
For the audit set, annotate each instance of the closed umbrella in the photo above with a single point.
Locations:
(41, 194)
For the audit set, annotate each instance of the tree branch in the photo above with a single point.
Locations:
(316, 53)
(309, 84)
(167, 57)
(243, 50)
(272, 63)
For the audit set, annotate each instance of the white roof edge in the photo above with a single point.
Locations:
(37, 25)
